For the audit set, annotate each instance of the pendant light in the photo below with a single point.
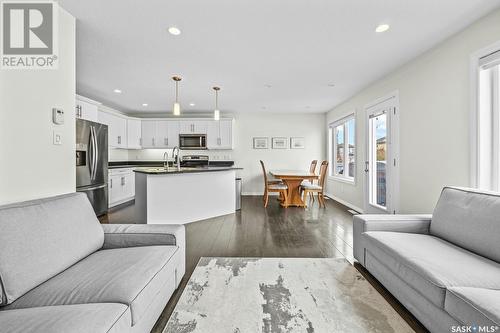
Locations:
(216, 111)
(177, 107)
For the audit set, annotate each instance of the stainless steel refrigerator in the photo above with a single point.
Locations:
(92, 163)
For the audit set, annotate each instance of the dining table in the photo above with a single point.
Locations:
(293, 179)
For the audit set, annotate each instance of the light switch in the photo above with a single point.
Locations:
(57, 138)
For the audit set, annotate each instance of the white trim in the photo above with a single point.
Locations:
(345, 203)
(474, 109)
(258, 193)
(346, 180)
(86, 99)
(393, 123)
(343, 120)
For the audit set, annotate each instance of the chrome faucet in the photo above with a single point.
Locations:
(165, 160)
(177, 158)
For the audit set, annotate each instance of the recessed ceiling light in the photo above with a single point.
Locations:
(144, 104)
(118, 91)
(174, 31)
(382, 28)
(192, 104)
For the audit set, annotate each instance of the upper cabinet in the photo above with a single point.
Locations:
(160, 133)
(85, 110)
(117, 129)
(134, 133)
(220, 134)
(193, 127)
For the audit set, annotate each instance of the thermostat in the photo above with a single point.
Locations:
(57, 116)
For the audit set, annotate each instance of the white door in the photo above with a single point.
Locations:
(161, 134)
(381, 164)
(133, 134)
(173, 133)
(86, 111)
(148, 132)
(186, 127)
(213, 134)
(226, 134)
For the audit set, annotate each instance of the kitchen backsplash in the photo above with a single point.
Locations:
(157, 154)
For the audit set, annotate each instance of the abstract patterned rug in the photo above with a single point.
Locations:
(281, 295)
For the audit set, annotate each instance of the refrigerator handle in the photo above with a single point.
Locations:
(96, 150)
(93, 153)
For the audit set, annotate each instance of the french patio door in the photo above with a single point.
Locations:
(381, 164)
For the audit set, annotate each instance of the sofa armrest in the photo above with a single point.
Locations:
(417, 224)
(130, 235)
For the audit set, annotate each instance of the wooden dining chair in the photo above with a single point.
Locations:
(281, 188)
(312, 169)
(317, 188)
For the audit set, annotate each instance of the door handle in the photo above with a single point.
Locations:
(367, 166)
(165, 141)
(123, 181)
(153, 141)
(111, 183)
(119, 139)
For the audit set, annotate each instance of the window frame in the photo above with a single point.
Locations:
(332, 151)
(476, 119)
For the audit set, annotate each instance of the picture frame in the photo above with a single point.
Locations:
(297, 143)
(260, 143)
(280, 143)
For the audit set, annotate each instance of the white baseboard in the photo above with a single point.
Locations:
(257, 193)
(345, 203)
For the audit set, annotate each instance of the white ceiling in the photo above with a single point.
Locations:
(297, 47)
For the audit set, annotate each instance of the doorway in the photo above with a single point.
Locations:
(381, 164)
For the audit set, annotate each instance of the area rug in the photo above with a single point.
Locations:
(281, 295)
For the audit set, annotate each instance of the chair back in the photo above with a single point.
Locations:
(312, 168)
(265, 173)
(322, 174)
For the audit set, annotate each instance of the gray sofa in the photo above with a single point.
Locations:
(445, 267)
(62, 271)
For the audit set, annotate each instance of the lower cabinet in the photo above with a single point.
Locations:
(121, 184)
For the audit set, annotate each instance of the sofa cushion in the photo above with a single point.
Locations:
(469, 219)
(131, 276)
(430, 265)
(474, 306)
(79, 318)
(41, 238)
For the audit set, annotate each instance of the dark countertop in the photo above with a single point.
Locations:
(156, 164)
(173, 170)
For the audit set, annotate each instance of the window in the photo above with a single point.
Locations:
(342, 157)
(489, 122)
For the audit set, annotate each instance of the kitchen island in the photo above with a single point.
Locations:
(172, 196)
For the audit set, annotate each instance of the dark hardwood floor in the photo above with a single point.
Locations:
(273, 232)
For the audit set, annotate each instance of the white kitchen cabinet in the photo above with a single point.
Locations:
(220, 134)
(134, 133)
(193, 127)
(148, 133)
(117, 129)
(121, 183)
(86, 111)
(160, 133)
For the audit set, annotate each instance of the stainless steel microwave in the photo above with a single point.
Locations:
(193, 141)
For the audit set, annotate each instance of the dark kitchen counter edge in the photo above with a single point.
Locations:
(153, 164)
(197, 170)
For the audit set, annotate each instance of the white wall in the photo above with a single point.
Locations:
(247, 126)
(310, 126)
(434, 95)
(30, 165)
